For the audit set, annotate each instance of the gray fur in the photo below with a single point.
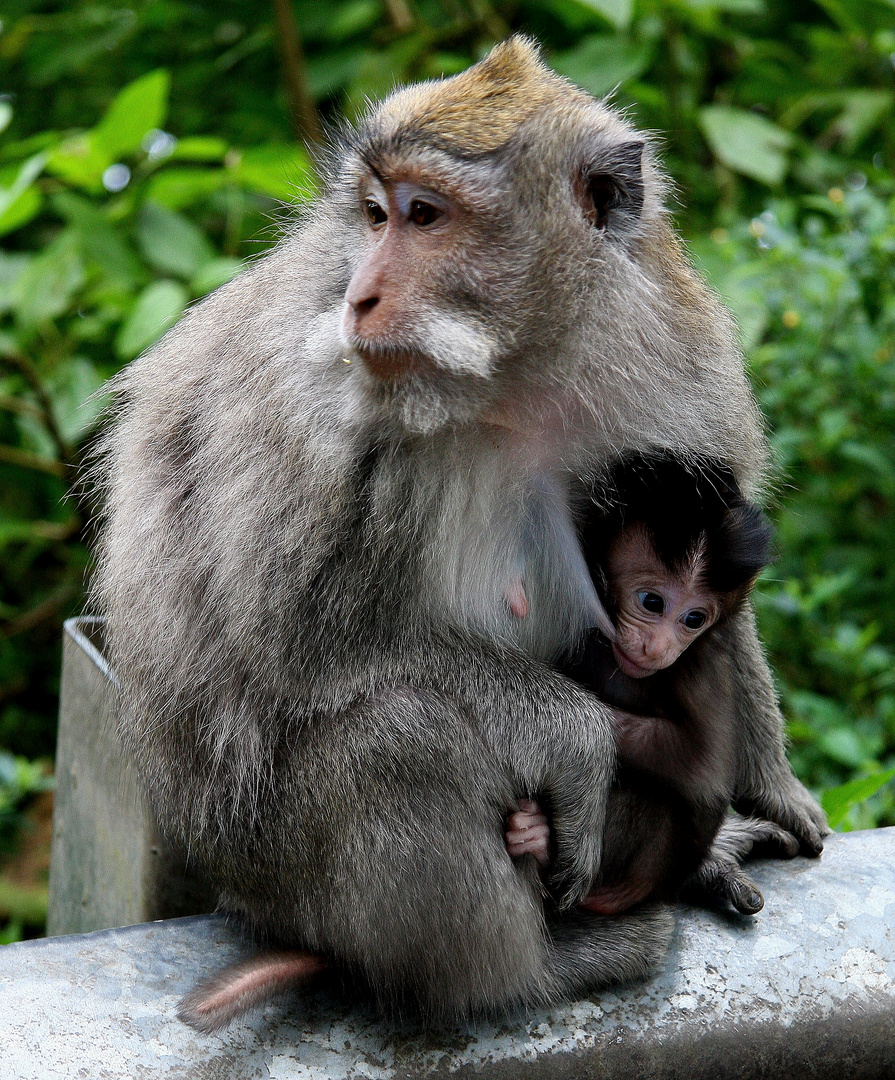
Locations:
(303, 570)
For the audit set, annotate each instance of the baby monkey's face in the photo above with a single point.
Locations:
(658, 613)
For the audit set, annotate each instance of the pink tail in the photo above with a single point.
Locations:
(240, 987)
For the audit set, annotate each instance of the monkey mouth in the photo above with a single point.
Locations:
(628, 666)
(390, 365)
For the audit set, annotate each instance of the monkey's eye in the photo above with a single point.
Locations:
(375, 214)
(695, 620)
(651, 601)
(423, 213)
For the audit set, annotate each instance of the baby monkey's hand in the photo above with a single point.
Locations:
(528, 832)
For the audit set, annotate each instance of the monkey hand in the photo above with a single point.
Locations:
(528, 832)
(789, 804)
(721, 878)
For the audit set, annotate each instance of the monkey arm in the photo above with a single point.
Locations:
(765, 784)
(721, 877)
(653, 743)
(553, 737)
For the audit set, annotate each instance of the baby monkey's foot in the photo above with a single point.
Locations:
(528, 832)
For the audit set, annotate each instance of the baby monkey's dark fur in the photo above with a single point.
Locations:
(677, 734)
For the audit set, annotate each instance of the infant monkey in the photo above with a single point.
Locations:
(673, 556)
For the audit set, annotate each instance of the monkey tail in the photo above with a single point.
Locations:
(213, 1004)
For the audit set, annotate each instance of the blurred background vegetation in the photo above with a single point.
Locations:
(147, 148)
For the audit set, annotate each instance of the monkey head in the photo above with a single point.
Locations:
(677, 550)
(479, 210)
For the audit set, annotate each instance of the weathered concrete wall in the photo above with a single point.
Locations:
(805, 989)
(108, 866)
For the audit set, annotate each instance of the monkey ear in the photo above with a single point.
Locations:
(610, 189)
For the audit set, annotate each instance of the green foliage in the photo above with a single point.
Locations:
(110, 232)
(148, 142)
(19, 780)
(812, 282)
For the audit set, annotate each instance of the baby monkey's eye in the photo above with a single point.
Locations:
(423, 213)
(695, 620)
(375, 214)
(651, 601)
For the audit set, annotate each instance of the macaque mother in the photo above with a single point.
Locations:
(340, 544)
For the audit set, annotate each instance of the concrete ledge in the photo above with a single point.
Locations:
(805, 989)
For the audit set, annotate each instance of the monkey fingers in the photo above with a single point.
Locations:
(528, 832)
(719, 880)
(791, 807)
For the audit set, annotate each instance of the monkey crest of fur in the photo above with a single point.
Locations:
(304, 568)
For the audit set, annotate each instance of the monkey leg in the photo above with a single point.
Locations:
(405, 879)
(766, 785)
(587, 951)
(721, 877)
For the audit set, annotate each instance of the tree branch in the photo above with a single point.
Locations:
(66, 453)
(305, 120)
(29, 460)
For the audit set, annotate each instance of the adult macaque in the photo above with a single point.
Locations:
(323, 483)
(674, 556)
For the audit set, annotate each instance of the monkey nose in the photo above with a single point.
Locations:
(362, 306)
(654, 647)
(362, 294)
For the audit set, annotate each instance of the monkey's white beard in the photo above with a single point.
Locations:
(454, 387)
(458, 345)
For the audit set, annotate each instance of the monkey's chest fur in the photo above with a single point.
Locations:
(482, 528)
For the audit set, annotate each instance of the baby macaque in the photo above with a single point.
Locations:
(674, 555)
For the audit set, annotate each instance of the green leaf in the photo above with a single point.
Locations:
(843, 744)
(101, 243)
(618, 12)
(12, 266)
(863, 111)
(214, 274)
(139, 108)
(21, 210)
(284, 172)
(747, 143)
(47, 285)
(602, 62)
(171, 242)
(20, 201)
(5, 115)
(199, 148)
(79, 162)
(838, 801)
(157, 309)
(72, 391)
(739, 7)
(352, 18)
(177, 188)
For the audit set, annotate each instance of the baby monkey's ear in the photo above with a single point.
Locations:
(609, 188)
(744, 549)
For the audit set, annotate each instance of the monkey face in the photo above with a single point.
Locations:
(419, 313)
(659, 613)
(398, 316)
